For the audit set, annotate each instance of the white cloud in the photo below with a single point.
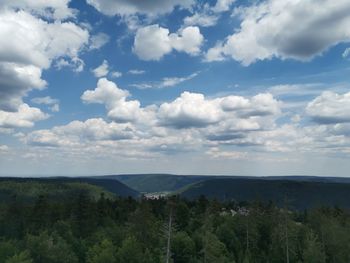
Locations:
(201, 19)
(25, 117)
(173, 81)
(56, 9)
(99, 40)
(145, 7)
(222, 5)
(165, 82)
(101, 70)
(53, 103)
(4, 148)
(330, 107)
(215, 152)
(78, 132)
(28, 45)
(106, 92)
(189, 110)
(15, 81)
(346, 53)
(75, 63)
(153, 42)
(45, 100)
(136, 72)
(115, 100)
(206, 15)
(287, 30)
(116, 74)
(194, 110)
(185, 124)
(215, 53)
(226, 127)
(188, 40)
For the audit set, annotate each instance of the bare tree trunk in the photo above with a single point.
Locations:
(169, 236)
(287, 243)
(247, 236)
(286, 229)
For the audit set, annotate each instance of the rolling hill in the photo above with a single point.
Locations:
(150, 183)
(29, 189)
(300, 194)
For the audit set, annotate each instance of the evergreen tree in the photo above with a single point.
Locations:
(313, 251)
(103, 252)
(183, 248)
(22, 257)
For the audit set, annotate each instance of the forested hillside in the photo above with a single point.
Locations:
(300, 194)
(149, 183)
(108, 229)
(28, 189)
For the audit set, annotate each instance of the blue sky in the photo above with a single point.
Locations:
(175, 86)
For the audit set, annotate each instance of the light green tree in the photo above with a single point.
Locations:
(103, 252)
(22, 257)
(313, 252)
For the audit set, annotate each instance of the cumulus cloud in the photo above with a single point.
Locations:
(115, 100)
(330, 107)
(28, 45)
(270, 29)
(15, 81)
(187, 123)
(225, 127)
(78, 132)
(101, 70)
(194, 110)
(55, 9)
(145, 7)
(25, 117)
(189, 110)
(153, 42)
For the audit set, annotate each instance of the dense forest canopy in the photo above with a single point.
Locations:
(105, 228)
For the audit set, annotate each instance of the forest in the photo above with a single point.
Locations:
(108, 229)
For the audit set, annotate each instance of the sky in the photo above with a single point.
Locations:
(220, 87)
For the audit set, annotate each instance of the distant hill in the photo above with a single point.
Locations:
(149, 183)
(29, 189)
(300, 194)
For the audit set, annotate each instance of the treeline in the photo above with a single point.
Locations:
(125, 230)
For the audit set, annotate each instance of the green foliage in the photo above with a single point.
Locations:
(303, 195)
(102, 252)
(22, 257)
(183, 248)
(107, 229)
(214, 251)
(151, 183)
(50, 248)
(8, 248)
(130, 251)
(313, 251)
